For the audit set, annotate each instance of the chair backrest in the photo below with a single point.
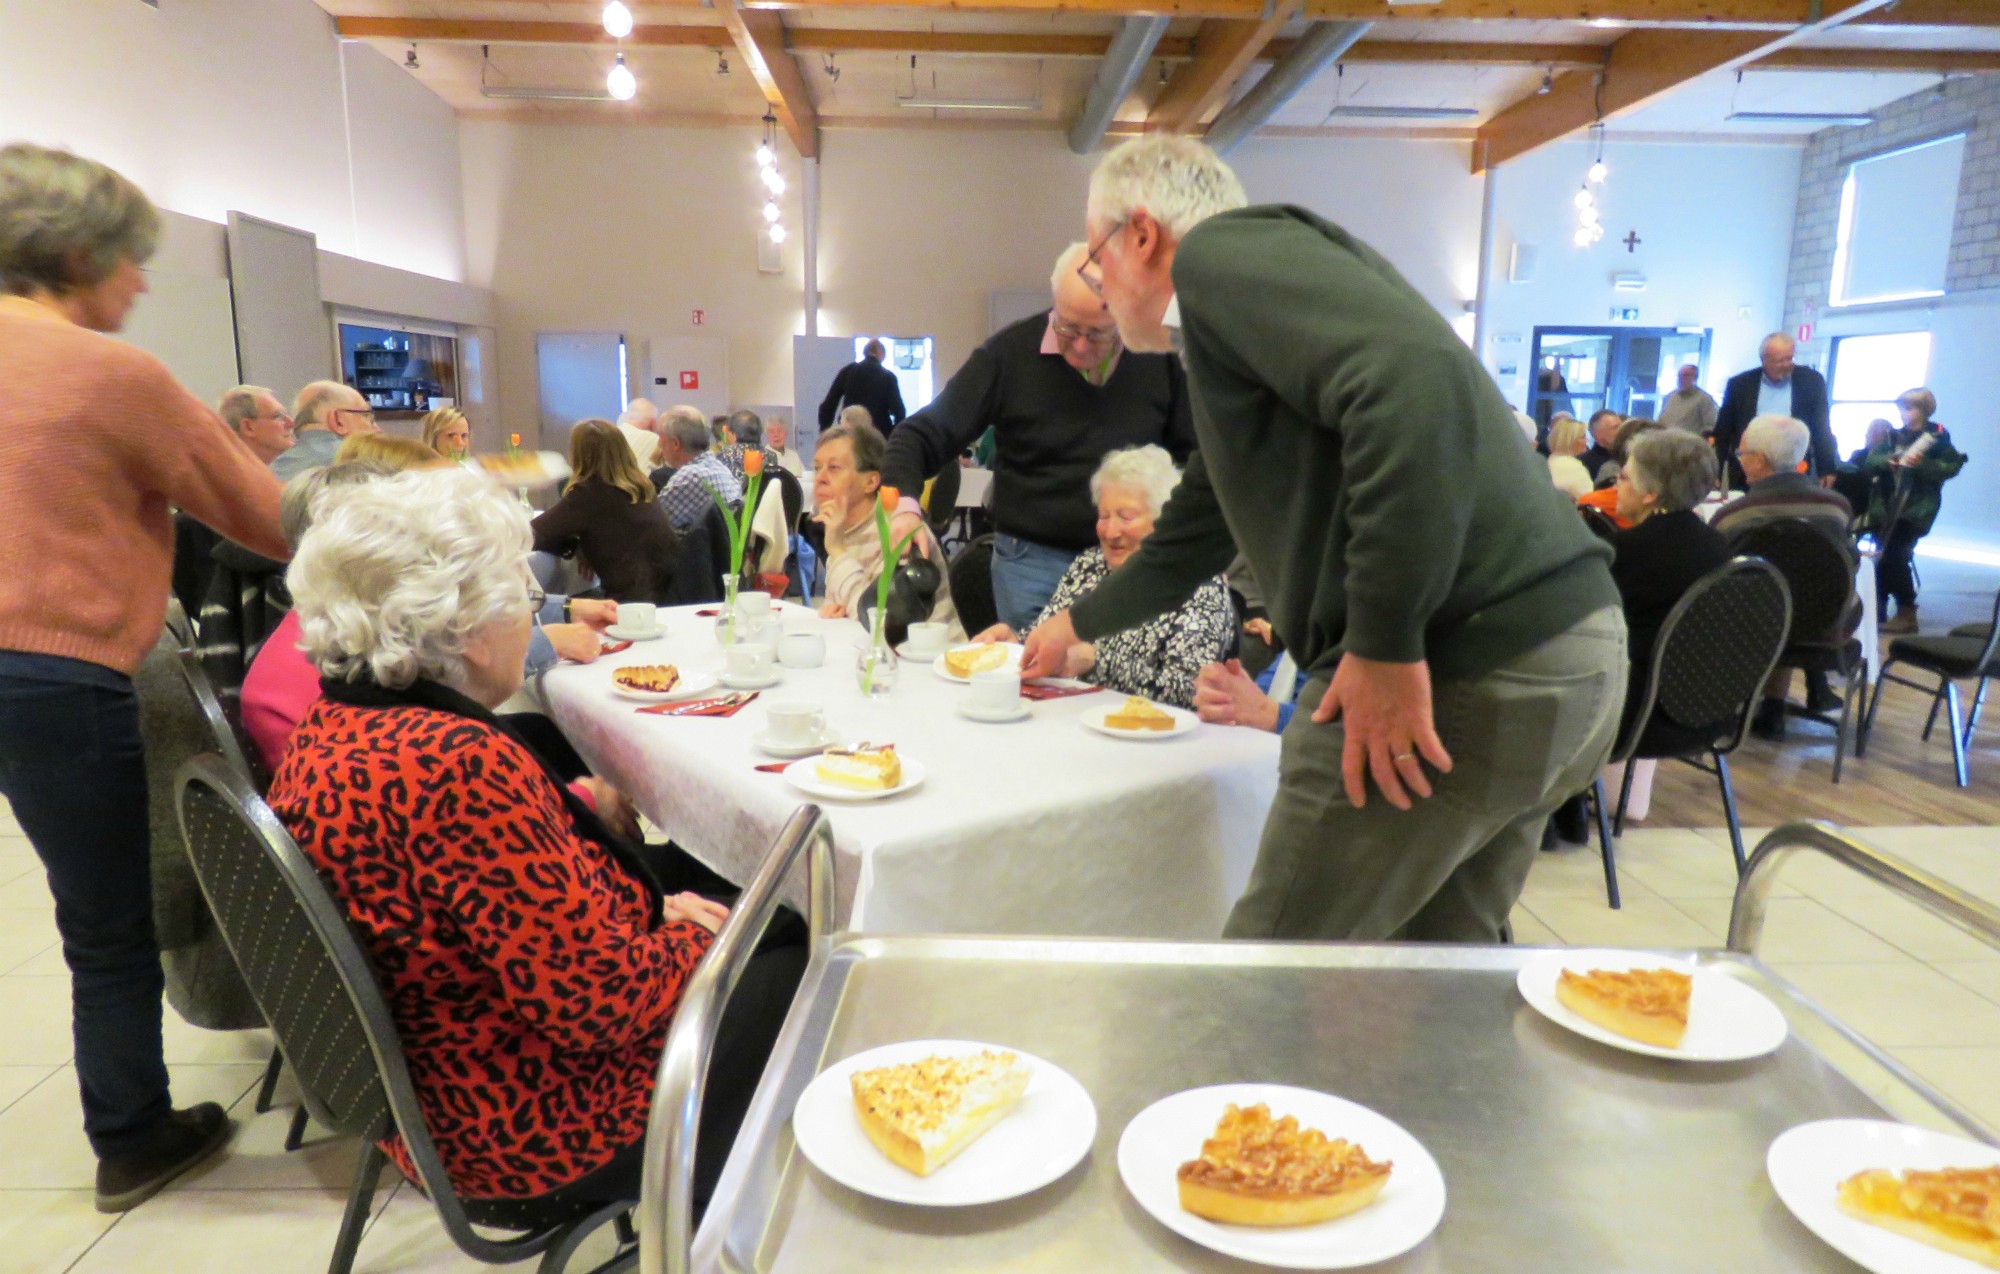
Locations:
(1714, 652)
(225, 729)
(1600, 523)
(972, 586)
(314, 982)
(1818, 570)
(698, 575)
(178, 625)
(1992, 646)
(790, 490)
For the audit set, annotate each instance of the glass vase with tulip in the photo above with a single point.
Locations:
(738, 522)
(877, 668)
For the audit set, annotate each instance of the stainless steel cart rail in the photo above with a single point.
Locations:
(1559, 1154)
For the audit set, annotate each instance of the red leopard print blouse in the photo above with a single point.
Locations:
(531, 996)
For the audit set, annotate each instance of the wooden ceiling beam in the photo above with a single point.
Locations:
(1638, 68)
(760, 39)
(1223, 50)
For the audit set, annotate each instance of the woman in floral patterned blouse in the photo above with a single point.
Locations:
(1159, 659)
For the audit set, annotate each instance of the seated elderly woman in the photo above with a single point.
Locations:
(526, 951)
(847, 483)
(1159, 659)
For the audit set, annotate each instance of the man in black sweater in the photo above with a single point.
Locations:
(1059, 391)
(866, 383)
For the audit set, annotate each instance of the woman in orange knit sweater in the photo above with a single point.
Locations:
(97, 439)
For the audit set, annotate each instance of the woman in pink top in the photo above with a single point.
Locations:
(97, 440)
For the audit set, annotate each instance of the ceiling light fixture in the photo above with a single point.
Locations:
(1548, 82)
(1406, 112)
(621, 83)
(617, 20)
(933, 102)
(771, 211)
(1817, 119)
(410, 62)
(777, 233)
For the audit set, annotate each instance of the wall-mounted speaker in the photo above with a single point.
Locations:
(1521, 263)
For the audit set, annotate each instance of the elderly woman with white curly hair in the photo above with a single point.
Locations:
(1160, 658)
(527, 951)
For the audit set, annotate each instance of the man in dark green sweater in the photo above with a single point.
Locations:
(1456, 622)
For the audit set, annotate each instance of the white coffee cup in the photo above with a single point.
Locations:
(801, 650)
(748, 663)
(794, 722)
(927, 640)
(996, 691)
(638, 617)
(768, 632)
(753, 605)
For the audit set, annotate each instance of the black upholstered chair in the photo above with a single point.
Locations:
(1969, 651)
(315, 985)
(1601, 524)
(1820, 574)
(972, 586)
(1715, 650)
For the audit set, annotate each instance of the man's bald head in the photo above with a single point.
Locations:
(1083, 322)
(339, 409)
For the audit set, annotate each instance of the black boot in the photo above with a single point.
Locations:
(1769, 723)
(1820, 697)
(1571, 821)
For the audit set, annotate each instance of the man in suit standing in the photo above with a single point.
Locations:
(1778, 388)
(866, 383)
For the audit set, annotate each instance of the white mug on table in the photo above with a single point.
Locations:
(794, 722)
(927, 640)
(753, 605)
(748, 663)
(801, 650)
(995, 691)
(638, 617)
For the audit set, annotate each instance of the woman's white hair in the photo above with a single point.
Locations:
(1178, 180)
(1781, 440)
(1149, 469)
(396, 575)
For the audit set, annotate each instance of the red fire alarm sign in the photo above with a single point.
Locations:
(690, 380)
(700, 317)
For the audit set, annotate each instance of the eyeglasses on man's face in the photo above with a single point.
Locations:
(1090, 270)
(1068, 332)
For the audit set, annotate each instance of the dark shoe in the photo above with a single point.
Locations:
(183, 1139)
(1769, 723)
(1820, 697)
(1904, 623)
(1571, 821)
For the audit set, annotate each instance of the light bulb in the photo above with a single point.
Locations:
(1584, 199)
(1588, 216)
(773, 182)
(765, 157)
(770, 211)
(617, 20)
(777, 233)
(1596, 233)
(1583, 236)
(1598, 172)
(621, 83)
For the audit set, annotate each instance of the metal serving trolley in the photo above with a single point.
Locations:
(1558, 1154)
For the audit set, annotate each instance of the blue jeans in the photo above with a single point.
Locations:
(72, 766)
(1025, 575)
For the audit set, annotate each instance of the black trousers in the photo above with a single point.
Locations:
(1893, 572)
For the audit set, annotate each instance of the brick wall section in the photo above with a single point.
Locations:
(1970, 105)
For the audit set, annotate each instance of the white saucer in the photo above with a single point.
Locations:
(1170, 1132)
(1727, 1021)
(1019, 712)
(735, 682)
(804, 776)
(763, 742)
(1039, 1141)
(911, 655)
(1807, 1164)
(618, 632)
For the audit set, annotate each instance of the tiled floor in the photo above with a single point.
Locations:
(1922, 989)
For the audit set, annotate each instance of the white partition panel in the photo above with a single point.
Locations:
(283, 337)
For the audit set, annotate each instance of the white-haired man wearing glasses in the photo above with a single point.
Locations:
(1457, 624)
(1060, 392)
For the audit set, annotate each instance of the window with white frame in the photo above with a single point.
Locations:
(1896, 213)
(1868, 373)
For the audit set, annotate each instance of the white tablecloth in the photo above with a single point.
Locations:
(1035, 827)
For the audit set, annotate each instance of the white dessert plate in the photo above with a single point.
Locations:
(1727, 1021)
(1014, 652)
(763, 742)
(1093, 718)
(690, 685)
(1808, 1163)
(804, 775)
(618, 632)
(1042, 1138)
(1021, 711)
(1171, 1131)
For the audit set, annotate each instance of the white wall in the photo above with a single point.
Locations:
(631, 229)
(1714, 222)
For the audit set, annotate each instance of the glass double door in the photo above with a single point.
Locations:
(1629, 370)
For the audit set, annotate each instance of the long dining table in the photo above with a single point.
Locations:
(1038, 826)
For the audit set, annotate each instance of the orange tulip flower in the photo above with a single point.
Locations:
(513, 440)
(753, 463)
(890, 499)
